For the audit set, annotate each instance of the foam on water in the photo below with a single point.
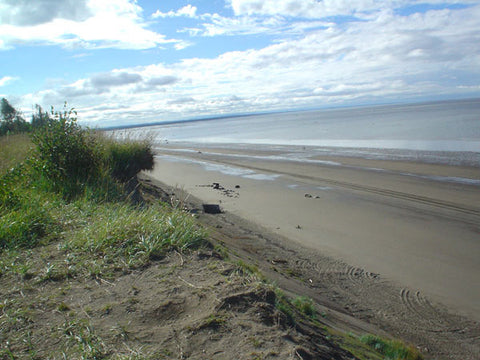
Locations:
(302, 157)
(224, 169)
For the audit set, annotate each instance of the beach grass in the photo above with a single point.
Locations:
(66, 180)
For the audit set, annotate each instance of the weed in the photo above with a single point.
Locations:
(214, 321)
(107, 309)
(222, 251)
(249, 271)
(391, 349)
(283, 305)
(53, 272)
(80, 333)
(306, 306)
(257, 343)
(120, 332)
(63, 307)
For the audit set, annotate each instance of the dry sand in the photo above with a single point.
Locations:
(418, 233)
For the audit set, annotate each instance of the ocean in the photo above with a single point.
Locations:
(446, 132)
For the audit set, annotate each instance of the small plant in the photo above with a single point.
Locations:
(107, 309)
(213, 322)
(257, 343)
(306, 306)
(391, 349)
(222, 251)
(283, 305)
(249, 270)
(63, 307)
(120, 332)
(81, 334)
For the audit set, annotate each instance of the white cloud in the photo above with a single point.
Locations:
(387, 56)
(76, 24)
(27, 12)
(216, 25)
(182, 44)
(6, 79)
(188, 11)
(324, 8)
(301, 8)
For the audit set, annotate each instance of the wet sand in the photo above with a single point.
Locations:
(419, 233)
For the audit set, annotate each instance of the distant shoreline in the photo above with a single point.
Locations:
(328, 153)
(259, 113)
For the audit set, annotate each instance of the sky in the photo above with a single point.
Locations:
(120, 62)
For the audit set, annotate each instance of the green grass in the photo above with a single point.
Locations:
(126, 158)
(70, 189)
(372, 347)
(306, 306)
(391, 349)
(83, 340)
(284, 305)
(13, 150)
(117, 235)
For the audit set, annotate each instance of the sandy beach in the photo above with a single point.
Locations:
(415, 225)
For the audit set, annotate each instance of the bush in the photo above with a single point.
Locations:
(65, 153)
(77, 165)
(75, 161)
(126, 159)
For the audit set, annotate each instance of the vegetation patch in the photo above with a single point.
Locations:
(306, 306)
(391, 349)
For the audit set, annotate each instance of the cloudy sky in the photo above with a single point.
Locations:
(125, 61)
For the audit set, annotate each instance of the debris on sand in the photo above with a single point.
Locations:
(211, 208)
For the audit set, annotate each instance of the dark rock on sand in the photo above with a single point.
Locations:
(211, 208)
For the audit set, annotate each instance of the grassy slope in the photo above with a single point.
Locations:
(56, 251)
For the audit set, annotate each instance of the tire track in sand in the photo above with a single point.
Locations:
(420, 199)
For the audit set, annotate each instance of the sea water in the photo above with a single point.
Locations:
(439, 132)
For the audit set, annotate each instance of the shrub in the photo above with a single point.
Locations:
(65, 153)
(127, 158)
(76, 161)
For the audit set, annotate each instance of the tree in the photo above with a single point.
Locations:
(40, 118)
(11, 119)
(9, 113)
